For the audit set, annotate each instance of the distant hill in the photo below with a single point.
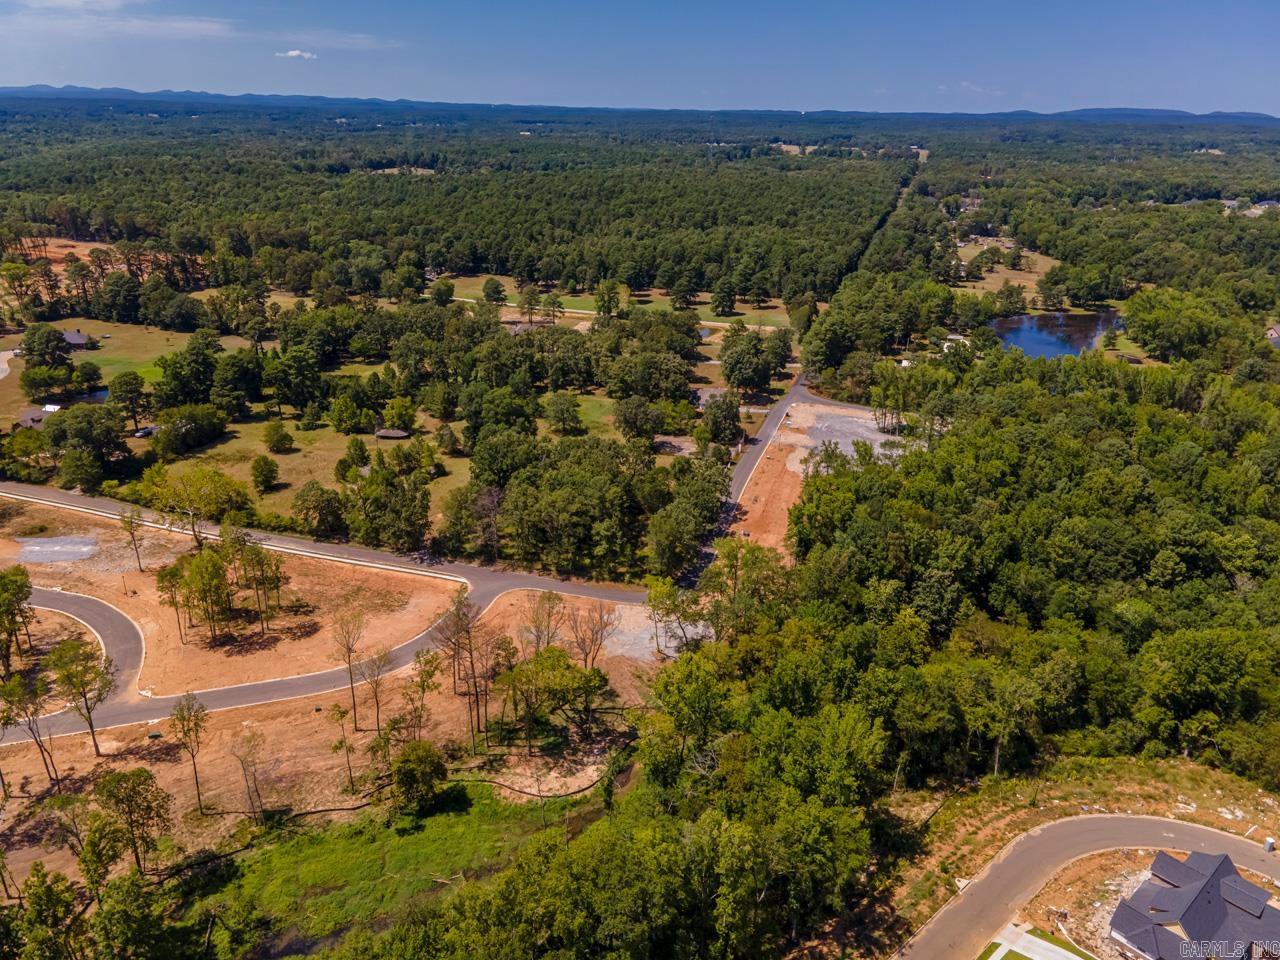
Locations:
(198, 97)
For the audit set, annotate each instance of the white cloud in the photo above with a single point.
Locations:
(972, 87)
(298, 55)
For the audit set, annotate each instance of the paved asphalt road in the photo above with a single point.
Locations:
(123, 641)
(753, 450)
(959, 931)
(974, 916)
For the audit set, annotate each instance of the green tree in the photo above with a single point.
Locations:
(319, 510)
(118, 300)
(636, 417)
(724, 300)
(529, 302)
(607, 298)
(442, 292)
(45, 346)
(193, 497)
(190, 718)
(277, 438)
(128, 391)
(84, 678)
(102, 845)
(400, 413)
(140, 804)
(721, 418)
(743, 360)
(417, 772)
(493, 291)
(564, 413)
(129, 923)
(552, 307)
(50, 925)
(264, 472)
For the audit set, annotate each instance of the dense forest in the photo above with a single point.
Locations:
(1076, 556)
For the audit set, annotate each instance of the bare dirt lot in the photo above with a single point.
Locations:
(55, 250)
(297, 767)
(299, 639)
(779, 476)
(628, 658)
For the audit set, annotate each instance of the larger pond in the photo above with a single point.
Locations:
(1054, 334)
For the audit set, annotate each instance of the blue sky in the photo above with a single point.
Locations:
(855, 55)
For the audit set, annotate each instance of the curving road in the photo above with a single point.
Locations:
(122, 639)
(974, 916)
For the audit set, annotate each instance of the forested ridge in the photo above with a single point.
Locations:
(1071, 557)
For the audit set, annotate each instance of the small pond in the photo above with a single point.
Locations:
(1054, 334)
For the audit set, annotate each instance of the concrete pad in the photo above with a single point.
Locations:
(55, 549)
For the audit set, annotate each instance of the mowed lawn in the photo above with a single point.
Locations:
(772, 314)
(121, 347)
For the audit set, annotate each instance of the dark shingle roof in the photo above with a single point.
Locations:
(1204, 897)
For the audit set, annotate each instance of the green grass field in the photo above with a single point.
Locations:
(121, 347)
(315, 453)
(325, 881)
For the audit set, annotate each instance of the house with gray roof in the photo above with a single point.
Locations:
(1197, 908)
(77, 340)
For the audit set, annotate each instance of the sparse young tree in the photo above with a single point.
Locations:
(475, 655)
(529, 302)
(348, 630)
(544, 617)
(590, 628)
(246, 750)
(131, 522)
(205, 588)
(7, 721)
(189, 719)
(169, 583)
(28, 699)
(422, 680)
(83, 679)
(338, 717)
(373, 671)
